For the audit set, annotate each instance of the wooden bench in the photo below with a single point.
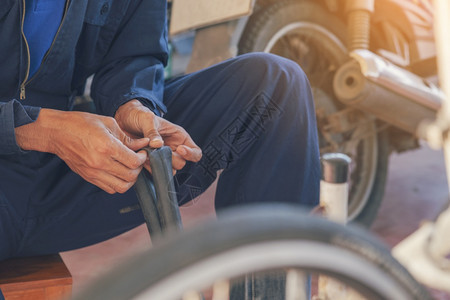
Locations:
(35, 278)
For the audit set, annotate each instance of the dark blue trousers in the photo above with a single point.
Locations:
(253, 116)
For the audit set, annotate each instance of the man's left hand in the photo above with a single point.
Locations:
(139, 121)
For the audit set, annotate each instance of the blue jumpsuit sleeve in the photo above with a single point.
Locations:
(134, 65)
(13, 114)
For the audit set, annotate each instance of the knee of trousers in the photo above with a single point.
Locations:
(280, 78)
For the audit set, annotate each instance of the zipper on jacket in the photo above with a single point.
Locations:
(27, 74)
(22, 85)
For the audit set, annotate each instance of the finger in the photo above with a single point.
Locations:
(151, 132)
(110, 183)
(104, 187)
(156, 141)
(147, 166)
(178, 162)
(126, 156)
(123, 147)
(136, 144)
(120, 171)
(117, 184)
(189, 153)
(144, 153)
(132, 143)
(97, 181)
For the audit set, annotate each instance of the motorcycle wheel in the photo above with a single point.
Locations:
(306, 33)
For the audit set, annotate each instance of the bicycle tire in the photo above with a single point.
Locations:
(256, 238)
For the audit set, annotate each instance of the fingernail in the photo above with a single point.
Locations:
(156, 142)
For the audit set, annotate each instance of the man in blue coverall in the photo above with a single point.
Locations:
(66, 176)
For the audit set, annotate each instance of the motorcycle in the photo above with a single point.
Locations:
(371, 64)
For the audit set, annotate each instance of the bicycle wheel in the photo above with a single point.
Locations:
(254, 239)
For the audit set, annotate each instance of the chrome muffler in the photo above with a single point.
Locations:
(394, 95)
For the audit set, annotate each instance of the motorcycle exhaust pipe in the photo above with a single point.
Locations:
(394, 95)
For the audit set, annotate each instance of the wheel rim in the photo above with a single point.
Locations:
(319, 52)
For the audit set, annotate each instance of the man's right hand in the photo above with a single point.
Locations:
(93, 146)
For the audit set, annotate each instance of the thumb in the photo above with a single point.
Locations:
(153, 135)
(129, 142)
(134, 144)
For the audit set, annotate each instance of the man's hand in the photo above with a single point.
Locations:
(93, 146)
(139, 121)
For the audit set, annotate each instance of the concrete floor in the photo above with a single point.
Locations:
(416, 191)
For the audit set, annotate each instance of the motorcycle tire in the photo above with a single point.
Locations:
(305, 32)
